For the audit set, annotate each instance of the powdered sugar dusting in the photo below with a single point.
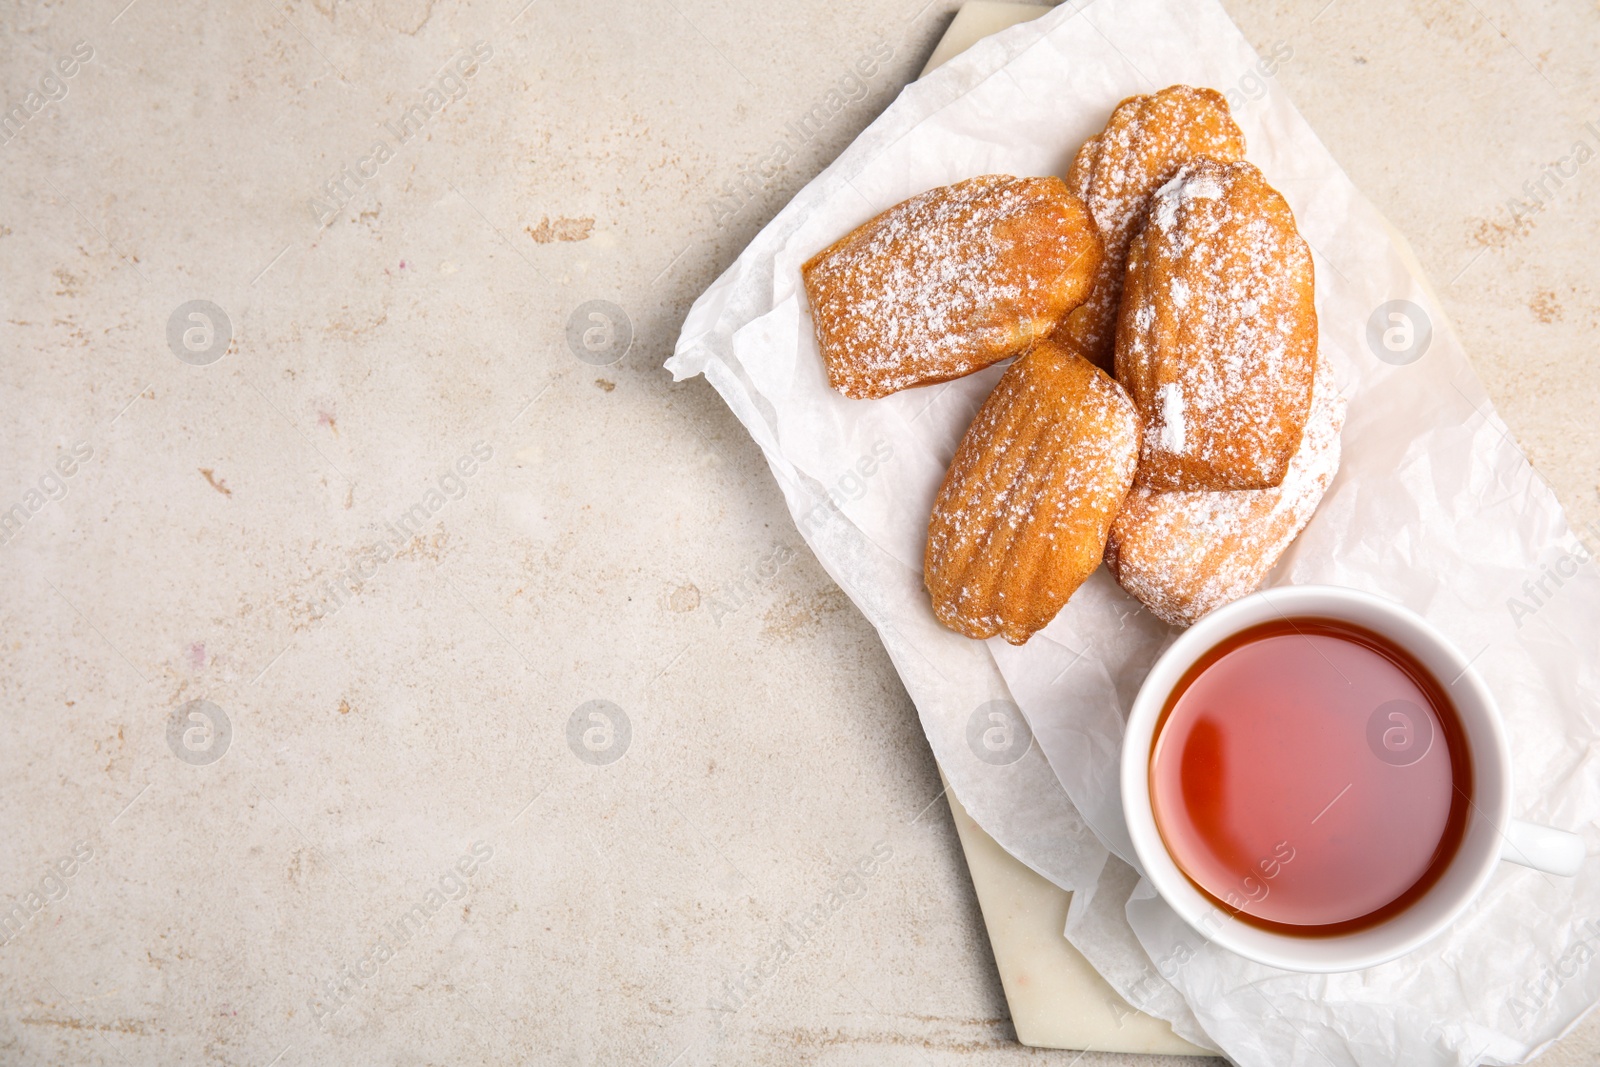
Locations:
(1184, 554)
(1172, 427)
(1179, 291)
(1220, 293)
(949, 282)
(1116, 173)
(1187, 185)
(1025, 508)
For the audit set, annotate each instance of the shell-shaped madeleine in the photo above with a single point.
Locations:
(1117, 171)
(1022, 517)
(949, 281)
(1185, 554)
(1217, 333)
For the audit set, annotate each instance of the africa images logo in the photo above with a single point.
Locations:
(739, 192)
(408, 524)
(52, 89)
(454, 883)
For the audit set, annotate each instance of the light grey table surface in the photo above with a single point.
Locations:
(618, 538)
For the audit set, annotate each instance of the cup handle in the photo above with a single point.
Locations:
(1543, 848)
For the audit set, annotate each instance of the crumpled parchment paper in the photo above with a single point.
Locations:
(1435, 506)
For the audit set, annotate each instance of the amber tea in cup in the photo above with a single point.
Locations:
(1310, 777)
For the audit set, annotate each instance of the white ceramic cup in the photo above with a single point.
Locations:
(1491, 835)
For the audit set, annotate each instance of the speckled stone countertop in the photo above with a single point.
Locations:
(397, 667)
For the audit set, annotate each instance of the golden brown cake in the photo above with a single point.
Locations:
(1184, 554)
(1117, 171)
(950, 281)
(1026, 505)
(1217, 332)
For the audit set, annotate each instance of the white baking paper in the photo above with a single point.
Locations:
(1435, 506)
